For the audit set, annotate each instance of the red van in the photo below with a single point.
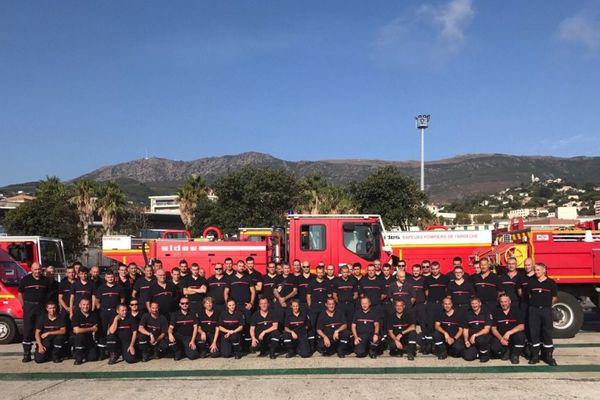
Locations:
(11, 312)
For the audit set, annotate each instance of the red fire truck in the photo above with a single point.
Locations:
(29, 249)
(572, 257)
(11, 312)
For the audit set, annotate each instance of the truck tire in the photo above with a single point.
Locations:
(568, 316)
(8, 330)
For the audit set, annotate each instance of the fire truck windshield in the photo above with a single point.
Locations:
(362, 239)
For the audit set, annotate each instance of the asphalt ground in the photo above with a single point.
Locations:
(577, 376)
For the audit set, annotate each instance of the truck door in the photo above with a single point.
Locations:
(312, 242)
(361, 242)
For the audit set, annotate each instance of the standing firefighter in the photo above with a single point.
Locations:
(33, 294)
(542, 295)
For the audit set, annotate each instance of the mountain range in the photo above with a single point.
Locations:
(446, 179)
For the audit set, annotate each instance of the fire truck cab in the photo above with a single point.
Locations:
(29, 249)
(11, 312)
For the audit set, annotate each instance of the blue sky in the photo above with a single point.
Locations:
(86, 84)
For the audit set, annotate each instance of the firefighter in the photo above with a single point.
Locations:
(436, 289)
(448, 332)
(50, 334)
(510, 281)
(486, 286)
(330, 274)
(528, 275)
(122, 337)
(401, 290)
(372, 287)
(183, 329)
(332, 331)
(242, 291)
(85, 326)
(228, 264)
(543, 293)
(296, 268)
(82, 289)
(194, 288)
(231, 325)
(296, 330)
(365, 329)
(508, 331)
(416, 281)
(357, 272)
(33, 294)
(402, 331)
(287, 289)
(476, 332)
(164, 293)
(208, 322)
(304, 280)
(216, 285)
(460, 290)
(254, 275)
(106, 299)
(270, 282)
(152, 333)
(53, 284)
(95, 278)
(141, 287)
(345, 293)
(123, 280)
(264, 333)
(64, 290)
(183, 269)
(317, 294)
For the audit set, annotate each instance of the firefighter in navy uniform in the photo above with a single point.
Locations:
(417, 283)
(448, 332)
(296, 330)
(183, 329)
(194, 288)
(64, 290)
(231, 325)
(402, 331)
(208, 322)
(122, 337)
(264, 333)
(476, 332)
(270, 282)
(163, 292)
(543, 294)
(287, 289)
(365, 329)
(152, 333)
(141, 287)
(242, 290)
(345, 293)
(304, 280)
(510, 281)
(486, 286)
(216, 285)
(254, 275)
(436, 289)
(508, 331)
(83, 288)
(33, 295)
(528, 275)
(372, 286)
(332, 331)
(50, 334)
(460, 290)
(85, 325)
(319, 290)
(107, 298)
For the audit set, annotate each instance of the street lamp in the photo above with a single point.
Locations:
(422, 124)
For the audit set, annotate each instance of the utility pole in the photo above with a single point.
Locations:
(422, 124)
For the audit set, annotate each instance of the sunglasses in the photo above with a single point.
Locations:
(133, 304)
(218, 269)
(184, 304)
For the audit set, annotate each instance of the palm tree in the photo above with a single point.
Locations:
(111, 202)
(189, 194)
(83, 198)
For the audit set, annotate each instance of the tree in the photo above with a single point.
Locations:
(111, 203)
(483, 219)
(49, 214)
(394, 196)
(320, 197)
(254, 197)
(134, 219)
(463, 219)
(189, 195)
(83, 199)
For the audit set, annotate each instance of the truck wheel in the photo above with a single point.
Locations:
(8, 330)
(568, 316)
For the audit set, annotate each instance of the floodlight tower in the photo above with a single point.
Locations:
(422, 124)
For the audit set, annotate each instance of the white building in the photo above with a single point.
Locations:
(566, 212)
(521, 212)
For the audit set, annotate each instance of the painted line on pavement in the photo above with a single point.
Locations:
(115, 375)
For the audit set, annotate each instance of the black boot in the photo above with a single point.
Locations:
(527, 351)
(514, 355)
(548, 359)
(113, 358)
(272, 354)
(535, 355)
(427, 347)
(178, 355)
(290, 354)
(145, 356)
(26, 356)
(441, 352)
(157, 353)
(411, 352)
(484, 357)
(505, 354)
(237, 353)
